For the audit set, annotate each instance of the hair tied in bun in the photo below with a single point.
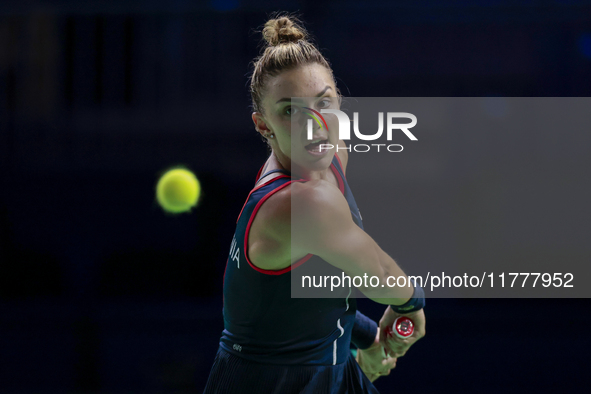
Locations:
(282, 31)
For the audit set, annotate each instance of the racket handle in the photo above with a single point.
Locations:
(403, 327)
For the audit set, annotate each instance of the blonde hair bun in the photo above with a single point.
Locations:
(282, 30)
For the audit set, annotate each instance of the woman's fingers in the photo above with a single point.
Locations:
(389, 363)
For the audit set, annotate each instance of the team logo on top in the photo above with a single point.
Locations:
(235, 252)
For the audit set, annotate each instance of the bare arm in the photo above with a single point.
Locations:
(318, 217)
(321, 224)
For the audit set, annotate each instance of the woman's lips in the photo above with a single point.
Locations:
(318, 148)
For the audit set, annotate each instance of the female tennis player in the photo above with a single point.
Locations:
(273, 343)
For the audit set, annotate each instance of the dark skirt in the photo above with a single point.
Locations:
(231, 374)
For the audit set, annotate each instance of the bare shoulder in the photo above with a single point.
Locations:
(301, 212)
(343, 155)
(317, 208)
(309, 200)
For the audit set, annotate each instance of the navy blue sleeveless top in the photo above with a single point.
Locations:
(262, 322)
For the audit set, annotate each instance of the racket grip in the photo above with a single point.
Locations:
(403, 327)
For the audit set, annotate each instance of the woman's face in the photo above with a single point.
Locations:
(288, 120)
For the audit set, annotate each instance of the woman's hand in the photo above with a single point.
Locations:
(372, 361)
(397, 347)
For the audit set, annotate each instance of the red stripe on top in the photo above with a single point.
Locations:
(340, 164)
(339, 178)
(256, 188)
(259, 173)
(252, 216)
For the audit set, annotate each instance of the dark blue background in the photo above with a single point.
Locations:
(102, 292)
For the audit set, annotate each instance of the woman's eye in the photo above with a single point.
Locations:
(291, 110)
(324, 103)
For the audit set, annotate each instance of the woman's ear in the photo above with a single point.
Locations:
(259, 123)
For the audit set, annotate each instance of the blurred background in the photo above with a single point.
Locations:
(101, 292)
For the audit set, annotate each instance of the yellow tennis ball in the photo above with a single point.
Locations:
(178, 190)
